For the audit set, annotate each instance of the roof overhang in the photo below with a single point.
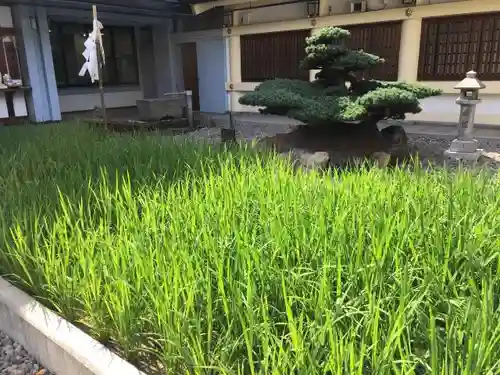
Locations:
(203, 6)
(156, 8)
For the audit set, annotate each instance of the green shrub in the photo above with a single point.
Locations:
(338, 94)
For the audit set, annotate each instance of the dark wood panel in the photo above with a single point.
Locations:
(451, 46)
(190, 72)
(273, 55)
(211, 19)
(381, 39)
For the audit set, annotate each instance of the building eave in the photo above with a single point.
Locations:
(158, 8)
(202, 6)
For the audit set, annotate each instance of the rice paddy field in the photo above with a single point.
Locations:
(187, 259)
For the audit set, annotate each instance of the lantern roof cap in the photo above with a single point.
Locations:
(470, 82)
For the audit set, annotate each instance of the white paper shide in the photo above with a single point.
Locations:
(91, 64)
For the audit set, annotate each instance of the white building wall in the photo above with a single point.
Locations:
(270, 14)
(337, 13)
(444, 109)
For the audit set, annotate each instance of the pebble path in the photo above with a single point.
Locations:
(15, 360)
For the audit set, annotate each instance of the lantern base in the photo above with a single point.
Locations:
(465, 150)
(464, 146)
(469, 158)
(465, 156)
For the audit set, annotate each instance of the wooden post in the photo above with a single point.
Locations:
(228, 135)
(189, 107)
(99, 64)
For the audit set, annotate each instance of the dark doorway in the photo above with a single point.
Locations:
(190, 72)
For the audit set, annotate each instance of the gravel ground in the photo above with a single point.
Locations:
(14, 360)
(431, 151)
(429, 148)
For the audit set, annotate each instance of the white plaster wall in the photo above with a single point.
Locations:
(237, 107)
(271, 14)
(19, 101)
(88, 101)
(344, 6)
(443, 108)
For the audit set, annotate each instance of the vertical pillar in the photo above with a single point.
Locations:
(171, 61)
(409, 50)
(146, 64)
(227, 70)
(139, 57)
(228, 62)
(235, 68)
(324, 8)
(37, 63)
(162, 59)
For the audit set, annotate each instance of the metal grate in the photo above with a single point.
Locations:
(381, 39)
(452, 46)
(273, 55)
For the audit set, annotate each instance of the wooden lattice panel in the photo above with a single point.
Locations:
(381, 39)
(451, 46)
(273, 55)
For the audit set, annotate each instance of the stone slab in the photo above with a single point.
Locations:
(156, 109)
(468, 157)
(464, 145)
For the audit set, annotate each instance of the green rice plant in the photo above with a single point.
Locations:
(187, 259)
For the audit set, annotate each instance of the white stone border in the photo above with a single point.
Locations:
(58, 345)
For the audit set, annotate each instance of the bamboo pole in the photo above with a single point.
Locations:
(100, 64)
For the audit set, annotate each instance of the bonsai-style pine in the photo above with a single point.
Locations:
(337, 95)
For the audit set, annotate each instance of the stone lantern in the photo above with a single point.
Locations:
(228, 135)
(464, 147)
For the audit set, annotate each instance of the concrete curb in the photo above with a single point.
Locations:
(56, 344)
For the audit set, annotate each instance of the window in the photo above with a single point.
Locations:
(273, 55)
(67, 40)
(381, 39)
(452, 46)
(9, 58)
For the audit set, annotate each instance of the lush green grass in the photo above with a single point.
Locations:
(231, 263)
